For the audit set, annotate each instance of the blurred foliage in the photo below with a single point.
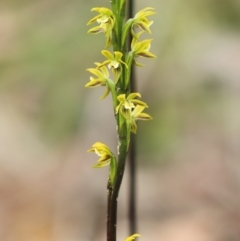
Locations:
(202, 106)
(49, 59)
(224, 12)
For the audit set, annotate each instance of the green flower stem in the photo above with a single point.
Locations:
(114, 191)
(115, 9)
(123, 131)
(118, 8)
(122, 7)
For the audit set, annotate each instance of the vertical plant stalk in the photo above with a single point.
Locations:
(127, 109)
(112, 212)
(132, 211)
(110, 230)
(119, 12)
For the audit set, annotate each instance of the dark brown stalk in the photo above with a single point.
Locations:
(132, 149)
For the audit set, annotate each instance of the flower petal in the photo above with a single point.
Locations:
(103, 19)
(126, 113)
(147, 54)
(105, 71)
(117, 109)
(101, 164)
(118, 55)
(117, 73)
(142, 45)
(107, 54)
(143, 116)
(138, 109)
(94, 83)
(145, 12)
(121, 98)
(132, 237)
(91, 150)
(133, 127)
(93, 19)
(133, 95)
(105, 158)
(138, 64)
(139, 102)
(144, 26)
(95, 9)
(128, 105)
(96, 72)
(114, 64)
(105, 94)
(101, 146)
(96, 30)
(103, 63)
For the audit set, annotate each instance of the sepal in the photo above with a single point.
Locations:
(132, 237)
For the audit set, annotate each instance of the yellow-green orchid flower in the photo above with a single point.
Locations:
(126, 105)
(106, 158)
(140, 20)
(132, 237)
(103, 152)
(101, 80)
(114, 62)
(137, 114)
(141, 49)
(106, 20)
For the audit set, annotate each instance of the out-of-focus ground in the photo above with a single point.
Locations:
(189, 171)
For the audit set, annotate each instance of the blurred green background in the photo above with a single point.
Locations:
(188, 155)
